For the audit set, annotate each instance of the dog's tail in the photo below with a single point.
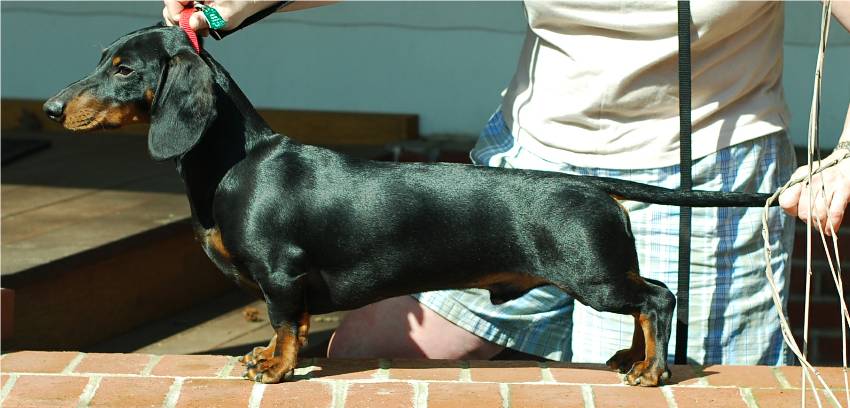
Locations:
(630, 190)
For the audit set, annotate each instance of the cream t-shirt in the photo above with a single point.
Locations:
(597, 81)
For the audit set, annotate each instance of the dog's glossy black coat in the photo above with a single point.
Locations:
(315, 231)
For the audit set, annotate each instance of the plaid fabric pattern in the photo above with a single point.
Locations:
(732, 317)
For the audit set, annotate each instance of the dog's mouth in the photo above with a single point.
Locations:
(84, 119)
(93, 115)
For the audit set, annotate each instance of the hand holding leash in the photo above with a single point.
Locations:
(215, 15)
(832, 192)
(831, 180)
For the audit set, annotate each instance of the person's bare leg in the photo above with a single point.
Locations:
(401, 327)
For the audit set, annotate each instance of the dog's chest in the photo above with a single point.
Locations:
(215, 249)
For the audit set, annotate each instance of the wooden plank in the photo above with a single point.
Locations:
(213, 334)
(51, 233)
(20, 198)
(91, 239)
(83, 300)
(343, 128)
(216, 327)
(154, 336)
(89, 161)
(25, 198)
(312, 127)
(7, 313)
(83, 192)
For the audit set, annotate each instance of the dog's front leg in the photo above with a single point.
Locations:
(290, 321)
(276, 362)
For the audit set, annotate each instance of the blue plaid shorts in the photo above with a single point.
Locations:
(732, 319)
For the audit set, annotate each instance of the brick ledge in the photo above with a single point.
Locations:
(32, 378)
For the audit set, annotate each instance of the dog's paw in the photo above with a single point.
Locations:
(263, 367)
(623, 360)
(647, 374)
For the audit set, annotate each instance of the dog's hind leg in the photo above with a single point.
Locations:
(623, 360)
(652, 326)
(651, 304)
(608, 278)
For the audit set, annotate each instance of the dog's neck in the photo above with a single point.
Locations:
(236, 129)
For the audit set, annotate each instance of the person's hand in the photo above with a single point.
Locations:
(172, 9)
(834, 181)
(233, 12)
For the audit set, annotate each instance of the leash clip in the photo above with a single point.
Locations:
(214, 19)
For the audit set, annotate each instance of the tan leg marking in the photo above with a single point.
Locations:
(277, 361)
(624, 359)
(213, 240)
(647, 373)
(303, 329)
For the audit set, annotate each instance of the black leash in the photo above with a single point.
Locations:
(273, 7)
(684, 32)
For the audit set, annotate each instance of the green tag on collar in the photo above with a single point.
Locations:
(213, 18)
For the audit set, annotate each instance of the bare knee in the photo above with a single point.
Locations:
(401, 327)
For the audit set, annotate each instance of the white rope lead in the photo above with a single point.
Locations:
(809, 372)
(777, 301)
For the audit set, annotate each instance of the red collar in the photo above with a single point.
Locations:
(184, 24)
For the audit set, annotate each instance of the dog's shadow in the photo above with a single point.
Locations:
(313, 364)
(476, 371)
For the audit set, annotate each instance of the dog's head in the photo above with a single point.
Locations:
(151, 75)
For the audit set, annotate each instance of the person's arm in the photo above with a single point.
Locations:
(841, 12)
(233, 12)
(303, 5)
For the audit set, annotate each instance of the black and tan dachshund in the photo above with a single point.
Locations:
(313, 231)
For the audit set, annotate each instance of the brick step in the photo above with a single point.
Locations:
(76, 379)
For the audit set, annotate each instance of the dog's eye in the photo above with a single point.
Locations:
(123, 70)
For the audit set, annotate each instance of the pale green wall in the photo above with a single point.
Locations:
(446, 61)
(802, 31)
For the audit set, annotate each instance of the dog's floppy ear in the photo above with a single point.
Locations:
(183, 106)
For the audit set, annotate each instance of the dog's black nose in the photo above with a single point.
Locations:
(54, 108)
